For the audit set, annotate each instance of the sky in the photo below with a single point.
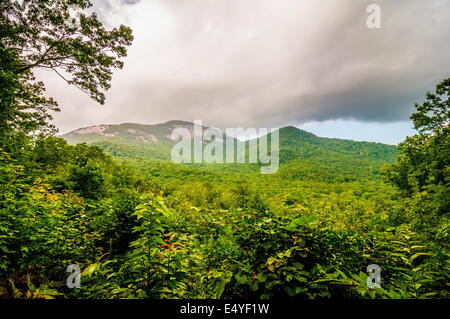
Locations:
(265, 63)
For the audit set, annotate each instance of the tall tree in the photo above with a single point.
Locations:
(56, 35)
(424, 158)
(422, 169)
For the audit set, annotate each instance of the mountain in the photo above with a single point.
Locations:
(131, 140)
(299, 150)
(296, 143)
(126, 133)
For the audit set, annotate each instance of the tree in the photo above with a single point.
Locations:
(422, 169)
(424, 157)
(55, 35)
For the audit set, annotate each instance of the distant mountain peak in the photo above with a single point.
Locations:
(96, 129)
(129, 132)
(295, 131)
(177, 122)
(156, 141)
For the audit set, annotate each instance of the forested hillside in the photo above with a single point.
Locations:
(139, 226)
(146, 227)
(138, 144)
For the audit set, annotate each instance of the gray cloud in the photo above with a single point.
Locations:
(267, 63)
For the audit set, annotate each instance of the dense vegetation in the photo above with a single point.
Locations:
(147, 228)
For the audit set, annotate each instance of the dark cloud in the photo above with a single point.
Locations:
(130, 1)
(268, 63)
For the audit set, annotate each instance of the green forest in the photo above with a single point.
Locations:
(140, 226)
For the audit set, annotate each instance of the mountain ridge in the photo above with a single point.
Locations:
(141, 142)
(71, 136)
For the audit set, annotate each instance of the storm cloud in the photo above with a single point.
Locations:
(266, 63)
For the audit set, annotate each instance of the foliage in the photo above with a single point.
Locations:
(422, 169)
(58, 36)
(152, 229)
